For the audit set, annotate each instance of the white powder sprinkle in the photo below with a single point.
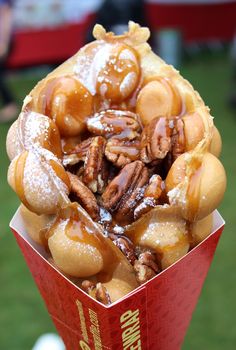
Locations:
(95, 122)
(33, 127)
(118, 230)
(105, 216)
(146, 203)
(127, 83)
(88, 67)
(171, 124)
(103, 89)
(127, 55)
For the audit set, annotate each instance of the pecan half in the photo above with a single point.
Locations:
(81, 148)
(121, 152)
(126, 190)
(78, 153)
(84, 196)
(95, 169)
(122, 124)
(155, 140)
(151, 195)
(145, 267)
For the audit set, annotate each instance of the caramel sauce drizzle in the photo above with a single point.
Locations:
(75, 101)
(80, 229)
(193, 192)
(131, 152)
(19, 177)
(136, 231)
(180, 108)
(53, 142)
(60, 172)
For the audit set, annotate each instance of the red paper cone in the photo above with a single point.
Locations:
(153, 317)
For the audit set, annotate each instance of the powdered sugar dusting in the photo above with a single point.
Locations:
(118, 230)
(127, 55)
(33, 129)
(95, 123)
(105, 216)
(147, 202)
(88, 67)
(38, 191)
(127, 83)
(103, 90)
(163, 233)
(43, 189)
(13, 144)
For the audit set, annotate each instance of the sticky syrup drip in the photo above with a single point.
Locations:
(80, 229)
(193, 191)
(19, 177)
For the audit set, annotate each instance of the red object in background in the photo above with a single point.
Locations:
(197, 22)
(154, 316)
(50, 45)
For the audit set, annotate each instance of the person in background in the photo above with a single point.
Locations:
(114, 15)
(9, 108)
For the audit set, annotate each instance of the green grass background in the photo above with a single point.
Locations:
(23, 316)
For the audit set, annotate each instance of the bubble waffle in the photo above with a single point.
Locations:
(118, 155)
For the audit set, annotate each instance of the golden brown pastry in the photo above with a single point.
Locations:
(115, 156)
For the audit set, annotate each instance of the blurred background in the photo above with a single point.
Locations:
(197, 37)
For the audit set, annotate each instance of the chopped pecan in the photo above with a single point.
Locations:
(151, 195)
(125, 191)
(85, 197)
(105, 216)
(121, 152)
(148, 258)
(146, 267)
(177, 143)
(112, 230)
(102, 294)
(88, 286)
(126, 247)
(154, 188)
(95, 169)
(70, 159)
(97, 291)
(143, 273)
(177, 138)
(156, 140)
(122, 124)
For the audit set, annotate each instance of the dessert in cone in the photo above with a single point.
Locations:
(115, 160)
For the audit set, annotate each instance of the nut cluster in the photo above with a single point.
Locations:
(116, 166)
(114, 176)
(97, 291)
(144, 263)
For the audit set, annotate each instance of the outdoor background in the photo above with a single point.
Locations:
(23, 317)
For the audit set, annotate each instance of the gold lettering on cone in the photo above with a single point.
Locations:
(82, 321)
(95, 330)
(130, 324)
(83, 345)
